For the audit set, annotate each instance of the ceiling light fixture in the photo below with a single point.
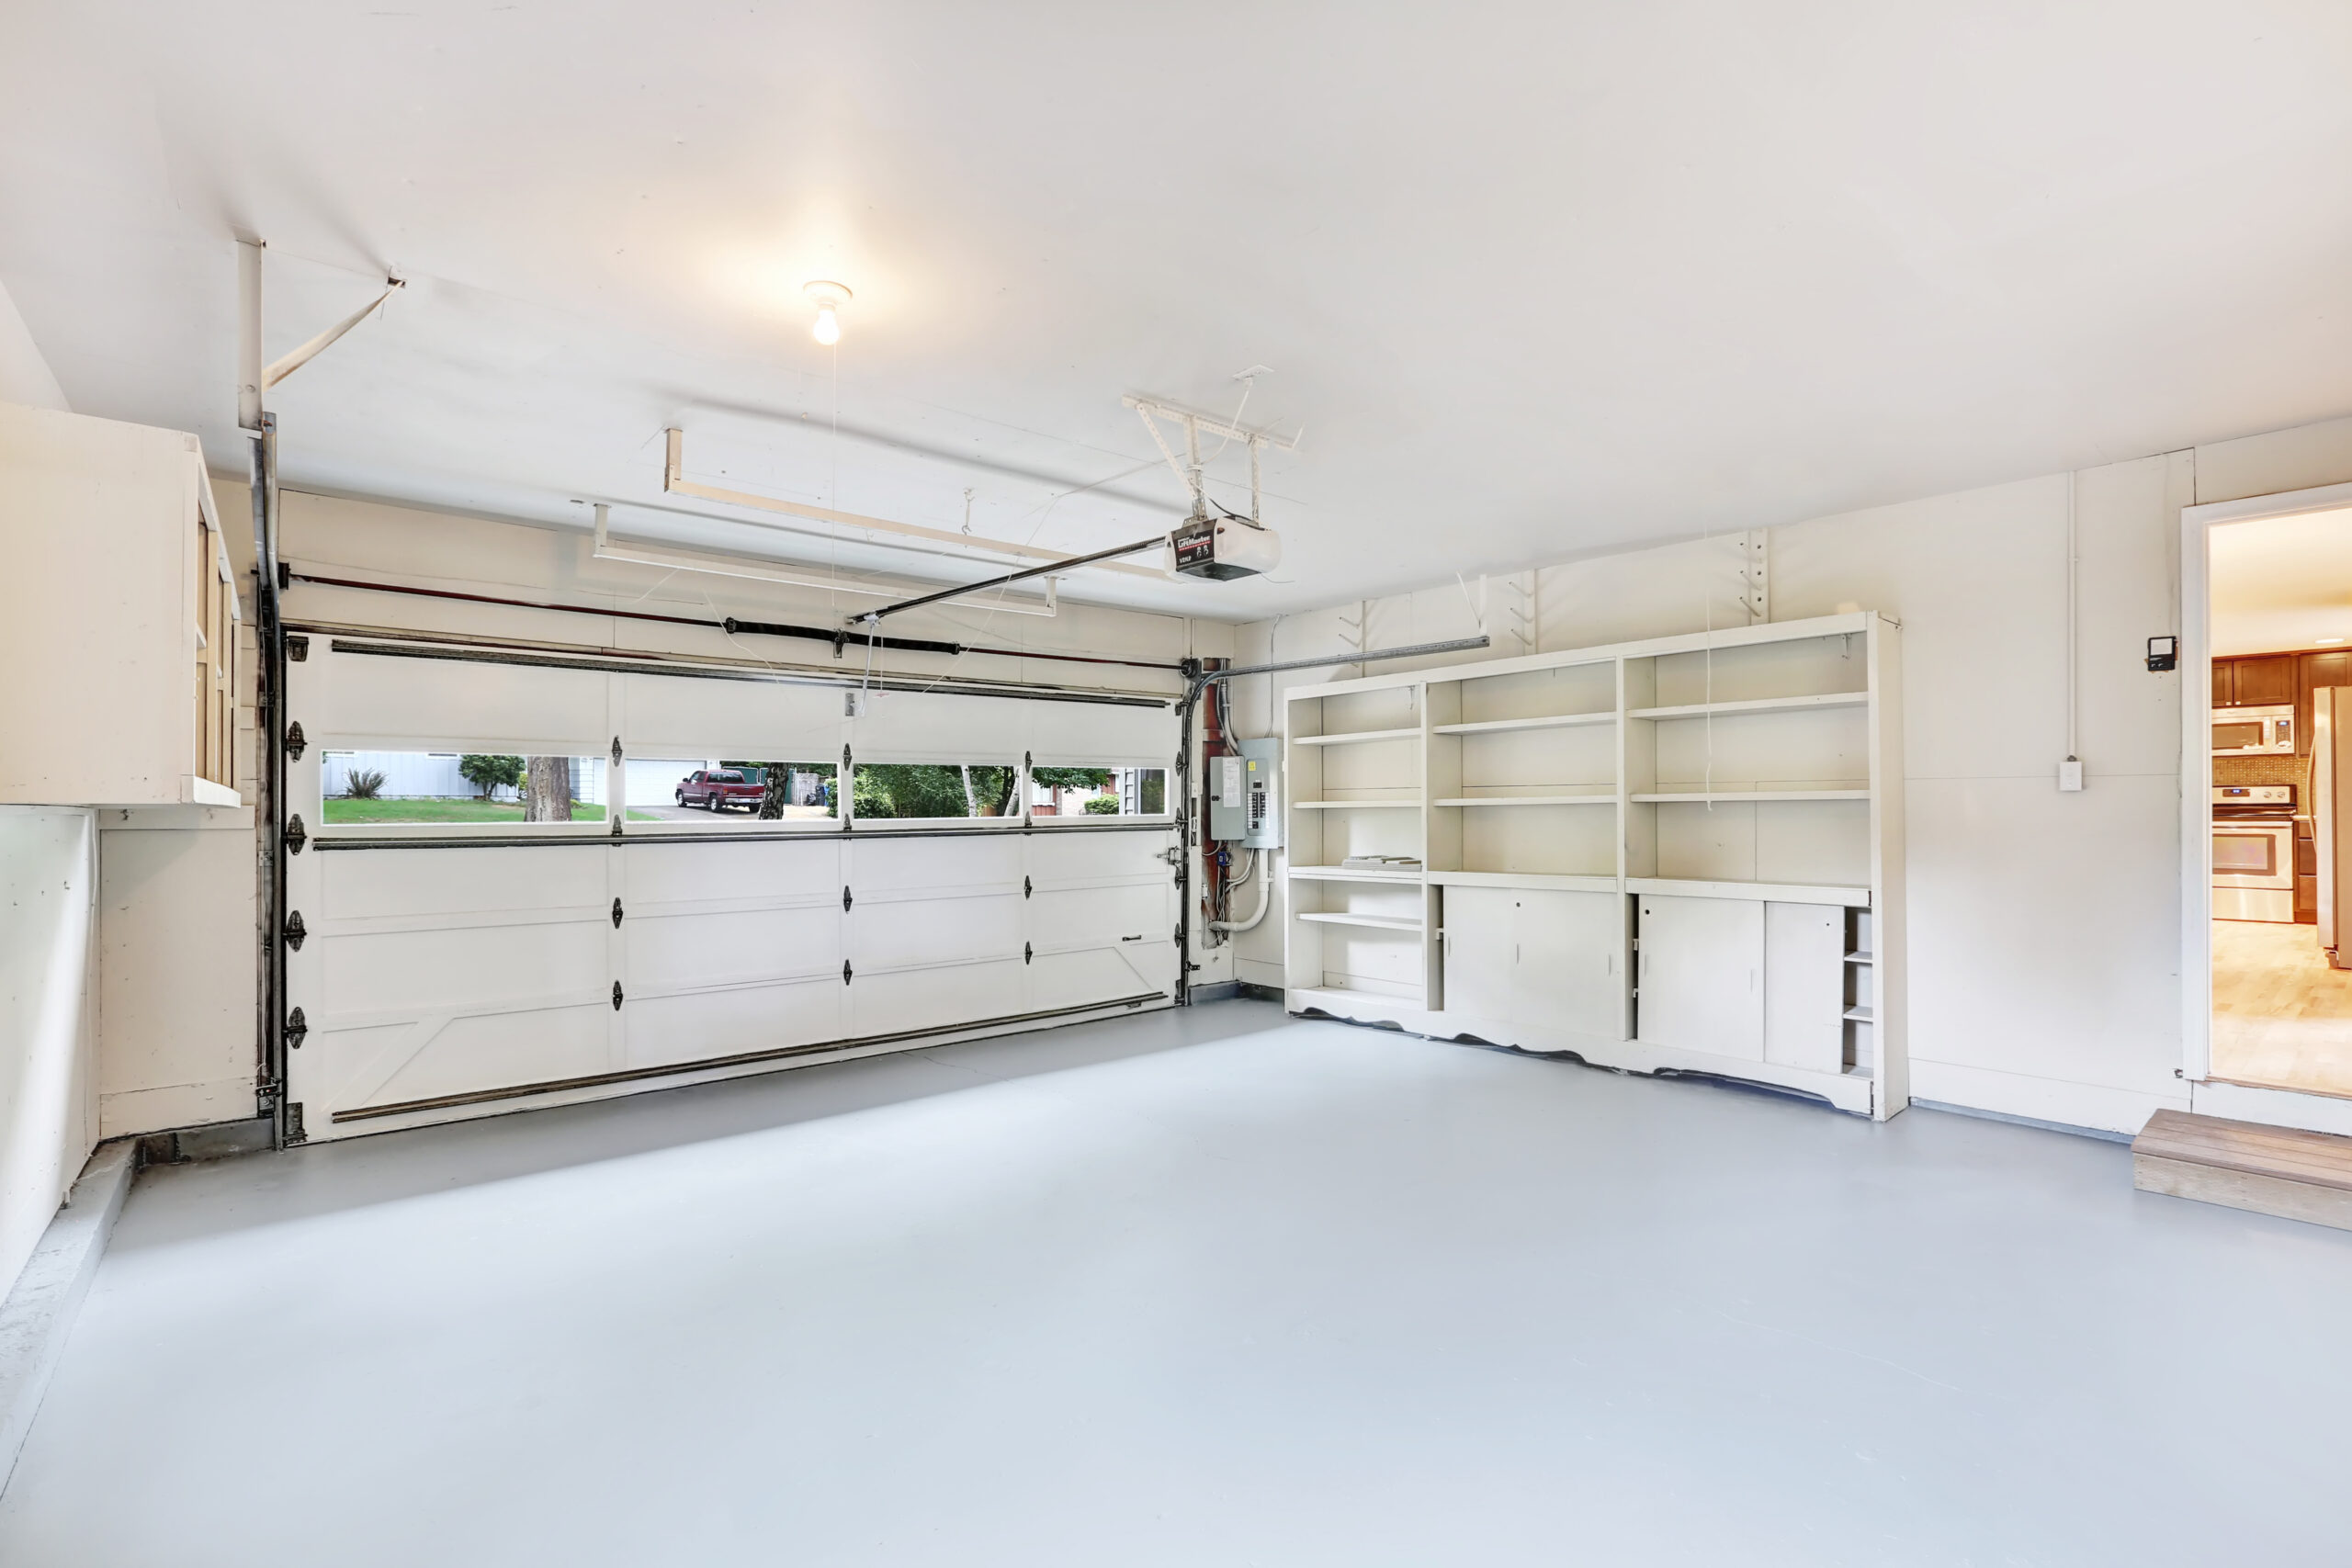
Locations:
(2324, 641)
(830, 297)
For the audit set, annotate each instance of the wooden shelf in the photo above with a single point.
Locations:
(1351, 873)
(1413, 804)
(1358, 738)
(1769, 892)
(1496, 725)
(1756, 704)
(1546, 881)
(1749, 794)
(1608, 800)
(1376, 922)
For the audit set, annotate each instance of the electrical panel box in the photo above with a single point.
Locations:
(1245, 802)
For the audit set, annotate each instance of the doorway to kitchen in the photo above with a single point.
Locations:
(2274, 745)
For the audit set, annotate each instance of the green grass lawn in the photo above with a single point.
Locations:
(341, 810)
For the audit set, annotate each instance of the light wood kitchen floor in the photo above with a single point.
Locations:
(2282, 1017)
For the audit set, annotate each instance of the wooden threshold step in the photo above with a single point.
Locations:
(2245, 1165)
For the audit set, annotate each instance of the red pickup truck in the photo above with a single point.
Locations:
(717, 789)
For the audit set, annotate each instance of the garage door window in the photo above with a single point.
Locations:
(935, 791)
(729, 789)
(1091, 794)
(459, 788)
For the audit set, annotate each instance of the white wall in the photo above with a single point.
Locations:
(25, 375)
(48, 1108)
(2043, 927)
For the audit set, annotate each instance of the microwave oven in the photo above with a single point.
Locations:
(2253, 732)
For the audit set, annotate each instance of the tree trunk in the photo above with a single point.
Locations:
(777, 793)
(971, 807)
(546, 789)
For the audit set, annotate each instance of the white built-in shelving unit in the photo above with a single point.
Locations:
(1682, 855)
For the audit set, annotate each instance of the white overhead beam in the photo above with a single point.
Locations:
(677, 559)
(673, 481)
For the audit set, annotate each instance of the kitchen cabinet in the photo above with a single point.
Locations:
(1534, 956)
(2314, 670)
(119, 617)
(2267, 680)
(1700, 978)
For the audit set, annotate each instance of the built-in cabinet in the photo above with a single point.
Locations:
(119, 617)
(1675, 854)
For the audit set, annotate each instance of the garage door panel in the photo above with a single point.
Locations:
(697, 1026)
(1101, 975)
(1096, 914)
(938, 997)
(479, 964)
(421, 703)
(672, 716)
(471, 1052)
(902, 934)
(919, 865)
(358, 884)
(732, 948)
(698, 873)
(1078, 855)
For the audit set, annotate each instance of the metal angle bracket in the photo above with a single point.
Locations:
(1756, 575)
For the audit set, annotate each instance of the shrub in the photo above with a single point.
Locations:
(1102, 805)
(365, 785)
(486, 773)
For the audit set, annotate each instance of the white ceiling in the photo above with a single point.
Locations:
(2282, 583)
(1536, 279)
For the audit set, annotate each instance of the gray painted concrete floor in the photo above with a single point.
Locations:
(1203, 1288)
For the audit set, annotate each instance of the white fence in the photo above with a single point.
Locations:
(433, 775)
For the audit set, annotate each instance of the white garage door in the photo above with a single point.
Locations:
(455, 961)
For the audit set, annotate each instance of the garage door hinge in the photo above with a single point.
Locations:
(295, 931)
(294, 1132)
(845, 971)
(295, 740)
(296, 835)
(617, 825)
(1025, 888)
(1027, 952)
(616, 914)
(616, 995)
(845, 897)
(616, 750)
(297, 649)
(298, 1029)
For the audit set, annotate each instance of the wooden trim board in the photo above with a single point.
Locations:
(2283, 1171)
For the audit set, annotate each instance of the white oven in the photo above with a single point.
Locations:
(2253, 732)
(2253, 870)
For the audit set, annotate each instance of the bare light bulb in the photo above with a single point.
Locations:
(830, 297)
